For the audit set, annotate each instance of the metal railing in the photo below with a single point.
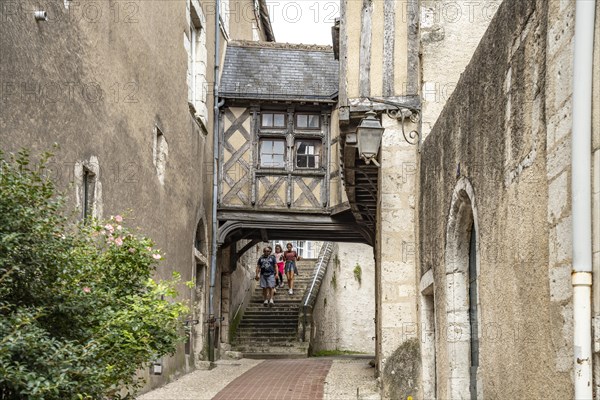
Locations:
(323, 260)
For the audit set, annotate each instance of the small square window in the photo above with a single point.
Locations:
(308, 153)
(272, 120)
(272, 153)
(308, 121)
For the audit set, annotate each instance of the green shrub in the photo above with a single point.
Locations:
(79, 310)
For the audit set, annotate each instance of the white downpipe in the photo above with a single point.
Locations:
(581, 193)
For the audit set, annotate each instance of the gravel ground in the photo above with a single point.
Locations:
(351, 379)
(348, 379)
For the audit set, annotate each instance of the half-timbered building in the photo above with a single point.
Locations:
(279, 174)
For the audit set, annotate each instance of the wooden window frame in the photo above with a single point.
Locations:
(273, 114)
(307, 127)
(317, 155)
(261, 140)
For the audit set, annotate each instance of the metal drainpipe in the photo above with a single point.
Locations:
(215, 224)
(581, 196)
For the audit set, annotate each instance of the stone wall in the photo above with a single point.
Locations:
(450, 31)
(242, 286)
(395, 252)
(498, 158)
(106, 81)
(344, 311)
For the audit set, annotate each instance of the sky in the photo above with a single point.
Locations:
(303, 21)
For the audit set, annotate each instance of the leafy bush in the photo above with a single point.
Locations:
(79, 310)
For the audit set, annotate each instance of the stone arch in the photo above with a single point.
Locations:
(201, 233)
(200, 247)
(462, 300)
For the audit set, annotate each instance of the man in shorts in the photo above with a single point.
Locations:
(265, 271)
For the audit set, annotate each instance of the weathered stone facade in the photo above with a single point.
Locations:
(497, 162)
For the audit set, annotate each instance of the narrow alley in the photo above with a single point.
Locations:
(302, 200)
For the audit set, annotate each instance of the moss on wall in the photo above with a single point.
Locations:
(233, 325)
(401, 372)
(358, 273)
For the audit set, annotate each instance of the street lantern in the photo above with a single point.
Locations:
(369, 134)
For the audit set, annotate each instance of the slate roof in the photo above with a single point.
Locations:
(279, 71)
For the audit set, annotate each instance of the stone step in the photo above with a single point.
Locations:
(262, 310)
(279, 306)
(262, 352)
(297, 296)
(271, 332)
(280, 346)
(274, 312)
(268, 323)
(282, 292)
(279, 341)
(267, 330)
(253, 343)
(276, 300)
(267, 319)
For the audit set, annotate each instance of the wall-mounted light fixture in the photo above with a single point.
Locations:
(41, 15)
(369, 134)
(402, 112)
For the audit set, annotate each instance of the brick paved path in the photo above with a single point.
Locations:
(297, 379)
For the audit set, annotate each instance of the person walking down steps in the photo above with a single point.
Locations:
(280, 265)
(265, 271)
(290, 257)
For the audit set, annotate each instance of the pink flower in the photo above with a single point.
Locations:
(132, 250)
(109, 228)
(156, 256)
(86, 289)
(118, 218)
(119, 241)
(119, 228)
(111, 239)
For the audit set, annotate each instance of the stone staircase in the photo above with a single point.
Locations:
(272, 332)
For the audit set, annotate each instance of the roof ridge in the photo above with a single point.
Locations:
(279, 45)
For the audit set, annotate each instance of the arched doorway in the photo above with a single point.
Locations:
(462, 300)
(197, 332)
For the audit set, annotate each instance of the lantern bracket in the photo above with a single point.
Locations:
(402, 112)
